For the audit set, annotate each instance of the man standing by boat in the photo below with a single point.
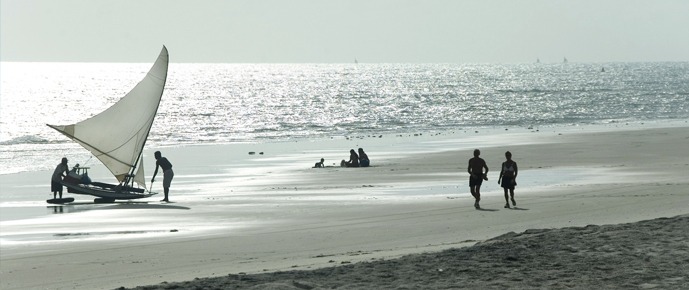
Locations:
(55, 181)
(163, 163)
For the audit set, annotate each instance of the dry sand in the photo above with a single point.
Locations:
(232, 222)
(647, 254)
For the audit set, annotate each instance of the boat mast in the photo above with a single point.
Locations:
(143, 144)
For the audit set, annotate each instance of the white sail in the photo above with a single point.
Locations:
(117, 135)
(140, 176)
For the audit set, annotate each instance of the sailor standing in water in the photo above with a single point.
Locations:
(163, 163)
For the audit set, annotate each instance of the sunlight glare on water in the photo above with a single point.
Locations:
(226, 103)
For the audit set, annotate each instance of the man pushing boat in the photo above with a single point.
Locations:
(56, 179)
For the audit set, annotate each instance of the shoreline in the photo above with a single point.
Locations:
(255, 217)
(472, 133)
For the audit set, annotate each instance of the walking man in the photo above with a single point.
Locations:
(477, 176)
(508, 175)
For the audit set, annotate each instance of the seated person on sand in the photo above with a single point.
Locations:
(353, 160)
(320, 164)
(363, 158)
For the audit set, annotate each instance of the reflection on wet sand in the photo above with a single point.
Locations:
(113, 233)
(87, 206)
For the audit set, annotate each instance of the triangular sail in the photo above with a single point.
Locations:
(140, 176)
(117, 135)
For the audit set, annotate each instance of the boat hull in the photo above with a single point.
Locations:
(107, 191)
(60, 200)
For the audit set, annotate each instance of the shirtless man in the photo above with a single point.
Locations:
(168, 174)
(60, 172)
(477, 176)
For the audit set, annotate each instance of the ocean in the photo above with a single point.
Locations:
(247, 103)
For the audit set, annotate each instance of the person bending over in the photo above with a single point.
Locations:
(56, 179)
(168, 174)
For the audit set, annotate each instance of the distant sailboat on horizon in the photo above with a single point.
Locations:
(565, 60)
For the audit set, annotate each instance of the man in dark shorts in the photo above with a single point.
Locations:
(477, 176)
(168, 174)
(508, 175)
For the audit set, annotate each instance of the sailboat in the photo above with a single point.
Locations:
(117, 137)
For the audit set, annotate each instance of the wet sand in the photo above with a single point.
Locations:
(307, 228)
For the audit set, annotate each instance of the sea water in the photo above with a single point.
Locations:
(245, 103)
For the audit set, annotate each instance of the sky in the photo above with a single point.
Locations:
(329, 31)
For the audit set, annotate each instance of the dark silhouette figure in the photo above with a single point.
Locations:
(477, 175)
(168, 174)
(363, 158)
(508, 175)
(353, 160)
(61, 171)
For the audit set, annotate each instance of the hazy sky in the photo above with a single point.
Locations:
(327, 31)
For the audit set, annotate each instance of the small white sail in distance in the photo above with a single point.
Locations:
(117, 135)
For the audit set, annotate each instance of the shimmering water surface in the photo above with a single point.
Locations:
(225, 103)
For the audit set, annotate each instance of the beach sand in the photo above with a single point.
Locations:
(407, 222)
(647, 254)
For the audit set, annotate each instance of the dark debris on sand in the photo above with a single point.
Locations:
(647, 254)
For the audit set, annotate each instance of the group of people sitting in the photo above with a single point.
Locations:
(355, 160)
